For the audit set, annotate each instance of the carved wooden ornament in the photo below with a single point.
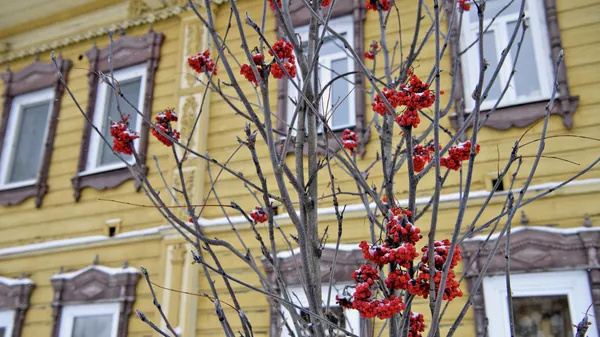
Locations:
(35, 76)
(127, 51)
(15, 295)
(95, 284)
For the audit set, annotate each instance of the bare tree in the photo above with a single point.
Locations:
(404, 96)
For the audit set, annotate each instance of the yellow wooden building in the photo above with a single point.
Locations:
(71, 253)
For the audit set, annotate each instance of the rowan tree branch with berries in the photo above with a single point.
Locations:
(308, 158)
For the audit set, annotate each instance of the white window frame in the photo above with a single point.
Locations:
(298, 296)
(535, 13)
(70, 312)
(573, 284)
(100, 112)
(14, 123)
(7, 319)
(343, 24)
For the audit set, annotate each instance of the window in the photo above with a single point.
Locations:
(95, 301)
(347, 319)
(7, 319)
(534, 70)
(545, 301)
(30, 114)
(544, 304)
(343, 104)
(90, 320)
(338, 102)
(14, 302)
(25, 137)
(131, 82)
(134, 62)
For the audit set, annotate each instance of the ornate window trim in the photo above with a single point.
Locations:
(347, 261)
(95, 284)
(36, 76)
(14, 296)
(534, 249)
(300, 16)
(524, 114)
(127, 51)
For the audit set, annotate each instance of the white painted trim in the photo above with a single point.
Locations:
(104, 269)
(345, 247)
(166, 230)
(70, 312)
(573, 284)
(14, 122)
(298, 297)
(81, 241)
(564, 231)
(7, 319)
(15, 281)
(102, 96)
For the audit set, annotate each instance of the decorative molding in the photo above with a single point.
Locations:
(37, 75)
(534, 249)
(524, 114)
(127, 51)
(15, 295)
(300, 16)
(95, 284)
(148, 18)
(290, 270)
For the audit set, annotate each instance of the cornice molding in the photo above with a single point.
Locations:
(147, 18)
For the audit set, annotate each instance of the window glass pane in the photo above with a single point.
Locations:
(493, 7)
(29, 142)
(490, 53)
(335, 315)
(526, 78)
(92, 326)
(339, 99)
(544, 316)
(131, 90)
(3, 332)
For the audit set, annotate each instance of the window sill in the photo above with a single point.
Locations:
(526, 114)
(102, 180)
(13, 195)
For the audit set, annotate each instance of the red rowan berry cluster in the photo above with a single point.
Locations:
(325, 3)
(372, 5)
(421, 156)
(122, 136)
(163, 123)
(420, 285)
(457, 154)
(284, 50)
(202, 63)
(417, 325)
(246, 69)
(259, 215)
(375, 295)
(349, 140)
(373, 49)
(464, 5)
(272, 4)
(413, 96)
(441, 249)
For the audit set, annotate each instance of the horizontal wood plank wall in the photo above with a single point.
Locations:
(61, 216)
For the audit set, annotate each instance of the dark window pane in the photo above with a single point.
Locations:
(92, 326)
(526, 78)
(543, 316)
(29, 142)
(3, 332)
(131, 90)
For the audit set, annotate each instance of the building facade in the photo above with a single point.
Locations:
(76, 229)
